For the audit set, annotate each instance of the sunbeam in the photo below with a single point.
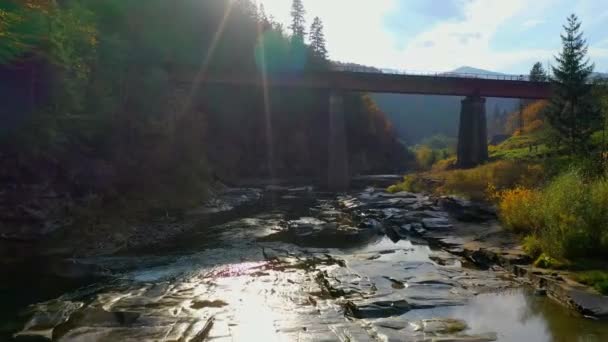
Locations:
(266, 99)
(198, 79)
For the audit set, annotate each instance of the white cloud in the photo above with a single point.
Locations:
(467, 42)
(528, 24)
(357, 32)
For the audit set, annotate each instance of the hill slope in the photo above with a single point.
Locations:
(416, 117)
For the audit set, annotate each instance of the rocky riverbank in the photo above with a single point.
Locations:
(366, 266)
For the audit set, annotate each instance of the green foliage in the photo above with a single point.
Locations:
(440, 142)
(597, 279)
(72, 41)
(298, 20)
(573, 112)
(434, 149)
(532, 246)
(111, 94)
(545, 261)
(445, 164)
(476, 183)
(538, 73)
(568, 217)
(563, 232)
(410, 183)
(22, 27)
(425, 157)
(317, 39)
(519, 209)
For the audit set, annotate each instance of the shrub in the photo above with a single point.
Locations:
(472, 183)
(567, 219)
(564, 231)
(532, 246)
(597, 212)
(502, 174)
(519, 209)
(441, 142)
(425, 157)
(545, 261)
(410, 183)
(444, 164)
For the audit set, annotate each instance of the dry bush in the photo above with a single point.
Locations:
(503, 174)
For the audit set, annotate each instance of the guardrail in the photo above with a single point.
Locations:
(433, 74)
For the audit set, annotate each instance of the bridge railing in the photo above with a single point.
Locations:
(348, 68)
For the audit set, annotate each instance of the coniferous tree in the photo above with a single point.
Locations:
(298, 21)
(572, 113)
(262, 14)
(263, 18)
(317, 39)
(538, 74)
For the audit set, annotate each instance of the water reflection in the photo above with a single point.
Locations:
(517, 316)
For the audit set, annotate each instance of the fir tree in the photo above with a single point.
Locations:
(262, 14)
(317, 39)
(572, 113)
(298, 21)
(538, 74)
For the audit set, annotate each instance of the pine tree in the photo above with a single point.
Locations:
(572, 113)
(263, 17)
(298, 21)
(262, 14)
(317, 39)
(538, 74)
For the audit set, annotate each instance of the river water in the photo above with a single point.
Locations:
(305, 266)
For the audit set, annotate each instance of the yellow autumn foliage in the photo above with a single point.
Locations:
(519, 209)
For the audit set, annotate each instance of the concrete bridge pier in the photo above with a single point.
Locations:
(338, 176)
(472, 134)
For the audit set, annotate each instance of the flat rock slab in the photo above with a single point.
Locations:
(436, 223)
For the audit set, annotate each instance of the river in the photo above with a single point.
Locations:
(302, 266)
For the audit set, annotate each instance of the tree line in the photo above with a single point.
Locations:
(91, 95)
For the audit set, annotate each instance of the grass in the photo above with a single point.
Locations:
(596, 279)
(472, 183)
(518, 147)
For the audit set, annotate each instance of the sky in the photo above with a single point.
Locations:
(440, 35)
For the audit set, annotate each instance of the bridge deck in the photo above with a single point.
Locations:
(386, 83)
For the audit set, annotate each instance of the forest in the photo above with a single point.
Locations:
(92, 114)
(139, 202)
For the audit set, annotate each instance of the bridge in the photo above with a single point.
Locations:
(475, 88)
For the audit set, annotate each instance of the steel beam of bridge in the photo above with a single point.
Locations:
(383, 83)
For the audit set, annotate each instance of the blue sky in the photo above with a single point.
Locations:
(439, 35)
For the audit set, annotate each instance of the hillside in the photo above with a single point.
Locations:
(416, 117)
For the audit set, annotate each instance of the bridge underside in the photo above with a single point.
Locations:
(381, 83)
(472, 138)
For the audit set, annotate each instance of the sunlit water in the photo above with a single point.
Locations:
(174, 291)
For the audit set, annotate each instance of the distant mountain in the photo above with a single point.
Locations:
(471, 70)
(354, 66)
(416, 117)
(599, 75)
